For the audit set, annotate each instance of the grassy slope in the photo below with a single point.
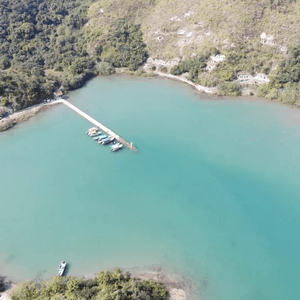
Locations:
(223, 22)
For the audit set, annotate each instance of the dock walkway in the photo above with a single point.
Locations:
(98, 124)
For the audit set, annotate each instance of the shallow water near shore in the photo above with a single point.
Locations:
(212, 194)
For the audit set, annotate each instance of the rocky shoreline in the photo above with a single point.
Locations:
(23, 115)
(13, 119)
(172, 284)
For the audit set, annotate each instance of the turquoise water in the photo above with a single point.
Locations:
(213, 193)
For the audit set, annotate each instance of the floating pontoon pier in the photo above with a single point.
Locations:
(98, 124)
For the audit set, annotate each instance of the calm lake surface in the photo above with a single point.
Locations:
(213, 193)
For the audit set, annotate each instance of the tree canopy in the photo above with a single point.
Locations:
(44, 44)
(106, 285)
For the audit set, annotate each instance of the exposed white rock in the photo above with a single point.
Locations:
(175, 62)
(188, 14)
(161, 62)
(209, 68)
(175, 18)
(263, 36)
(214, 60)
(189, 34)
(181, 31)
(218, 57)
(283, 49)
(267, 39)
(199, 39)
(101, 11)
(182, 42)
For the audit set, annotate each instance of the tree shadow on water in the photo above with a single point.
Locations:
(4, 284)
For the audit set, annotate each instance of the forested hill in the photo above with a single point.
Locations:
(32, 41)
(227, 44)
(43, 47)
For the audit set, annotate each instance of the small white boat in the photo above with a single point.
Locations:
(101, 137)
(92, 132)
(61, 268)
(95, 133)
(107, 140)
(98, 136)
(92, 129)
(116, 147)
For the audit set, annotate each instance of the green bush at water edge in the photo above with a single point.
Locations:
(105, 286)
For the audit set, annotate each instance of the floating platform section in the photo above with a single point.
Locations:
(98, 124)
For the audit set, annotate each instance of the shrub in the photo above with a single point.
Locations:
(124, 46)
(163, 69)
(273, 94)
(152, 67)
(140, 72)
(104, 68)
(262, 90)
(27, 290)
(226, 75)
(229, 89)
(4, 101)
(108, 285)
(193, 66)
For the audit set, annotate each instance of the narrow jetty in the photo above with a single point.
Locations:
(98, 124)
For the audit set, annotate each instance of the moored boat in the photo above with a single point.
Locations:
(92, 129)
(107, 140)
(116, 147)
(101, 137)
(62, 268)
(94, 133)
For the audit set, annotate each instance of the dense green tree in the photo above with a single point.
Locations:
(230, 89)
(103, 68)
(43, 45)
(124, 46)
(192, 66)
(26, 290)
(108, 285)
(289, 70)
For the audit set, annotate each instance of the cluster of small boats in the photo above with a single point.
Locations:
(103, 139)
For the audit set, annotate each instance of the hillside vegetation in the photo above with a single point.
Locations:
(43, 46)
(255, 37)
(105, 286)
(227, 44)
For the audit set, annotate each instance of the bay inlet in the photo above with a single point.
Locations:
(212, 194)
